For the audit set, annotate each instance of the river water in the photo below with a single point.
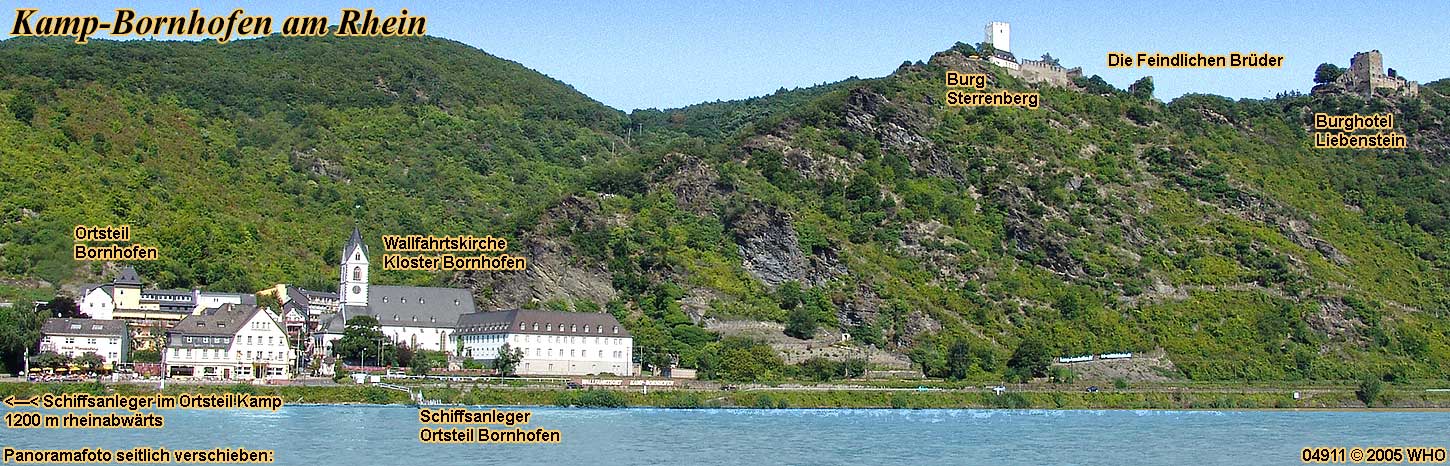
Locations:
(387, 435)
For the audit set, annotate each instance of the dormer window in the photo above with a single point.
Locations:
(536, 326)
(521, 325)
(548, 327)
(403, 300)
(455, 302)
(420, 300)
(385, 299)
(573, 328)
(616, 329)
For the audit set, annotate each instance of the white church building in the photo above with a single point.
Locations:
(419, 317)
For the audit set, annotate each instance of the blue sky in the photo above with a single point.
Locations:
(670, 54)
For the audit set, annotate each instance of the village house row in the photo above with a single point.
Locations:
(228, 336)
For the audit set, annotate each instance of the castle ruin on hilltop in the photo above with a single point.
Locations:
(999, 35)
(1366, 74)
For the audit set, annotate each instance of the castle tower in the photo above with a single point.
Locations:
(999, 34)
(352, 287)
(127, 289)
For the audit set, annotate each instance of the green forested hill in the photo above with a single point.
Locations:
(247, 162)
(1105, 221)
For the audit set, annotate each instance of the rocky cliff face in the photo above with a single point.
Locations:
(556, 269)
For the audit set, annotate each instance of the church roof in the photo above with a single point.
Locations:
(418, 306)
(355, 240)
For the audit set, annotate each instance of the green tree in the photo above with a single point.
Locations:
(361, 338)
(65, 307)
(90, 361)
(22, 106)
(50, 359)
(1031, 358)
(21, 330)
(742, 359)
(789, 294)
(986, 50)
(507, 360)
(339, 373)
(1369, 390)
(420, 366)
(964, 48)
(959, 359)
(801, 323)
(269, 301)
(1326, 73)
(1069, 304)
(145, 356)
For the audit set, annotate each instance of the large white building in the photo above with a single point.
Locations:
(419, 317)
(230, 342)
(125, 298)
(552, 342)
(109, 339)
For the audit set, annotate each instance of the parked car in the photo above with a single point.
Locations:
(572, 385)
(1092, 389)
(729, 387)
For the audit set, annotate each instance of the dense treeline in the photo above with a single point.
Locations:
(981, 242)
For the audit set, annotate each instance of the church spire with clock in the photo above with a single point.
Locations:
(353, 287)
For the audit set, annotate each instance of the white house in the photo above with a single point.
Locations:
(209, 299)
(231, 342)
(552, 342)
(124, 298)
(96, 301)
(109, 339)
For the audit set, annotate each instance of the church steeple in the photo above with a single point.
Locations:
(354, 242)
(353, 284)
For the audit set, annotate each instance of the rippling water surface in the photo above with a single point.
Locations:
(384, 435)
